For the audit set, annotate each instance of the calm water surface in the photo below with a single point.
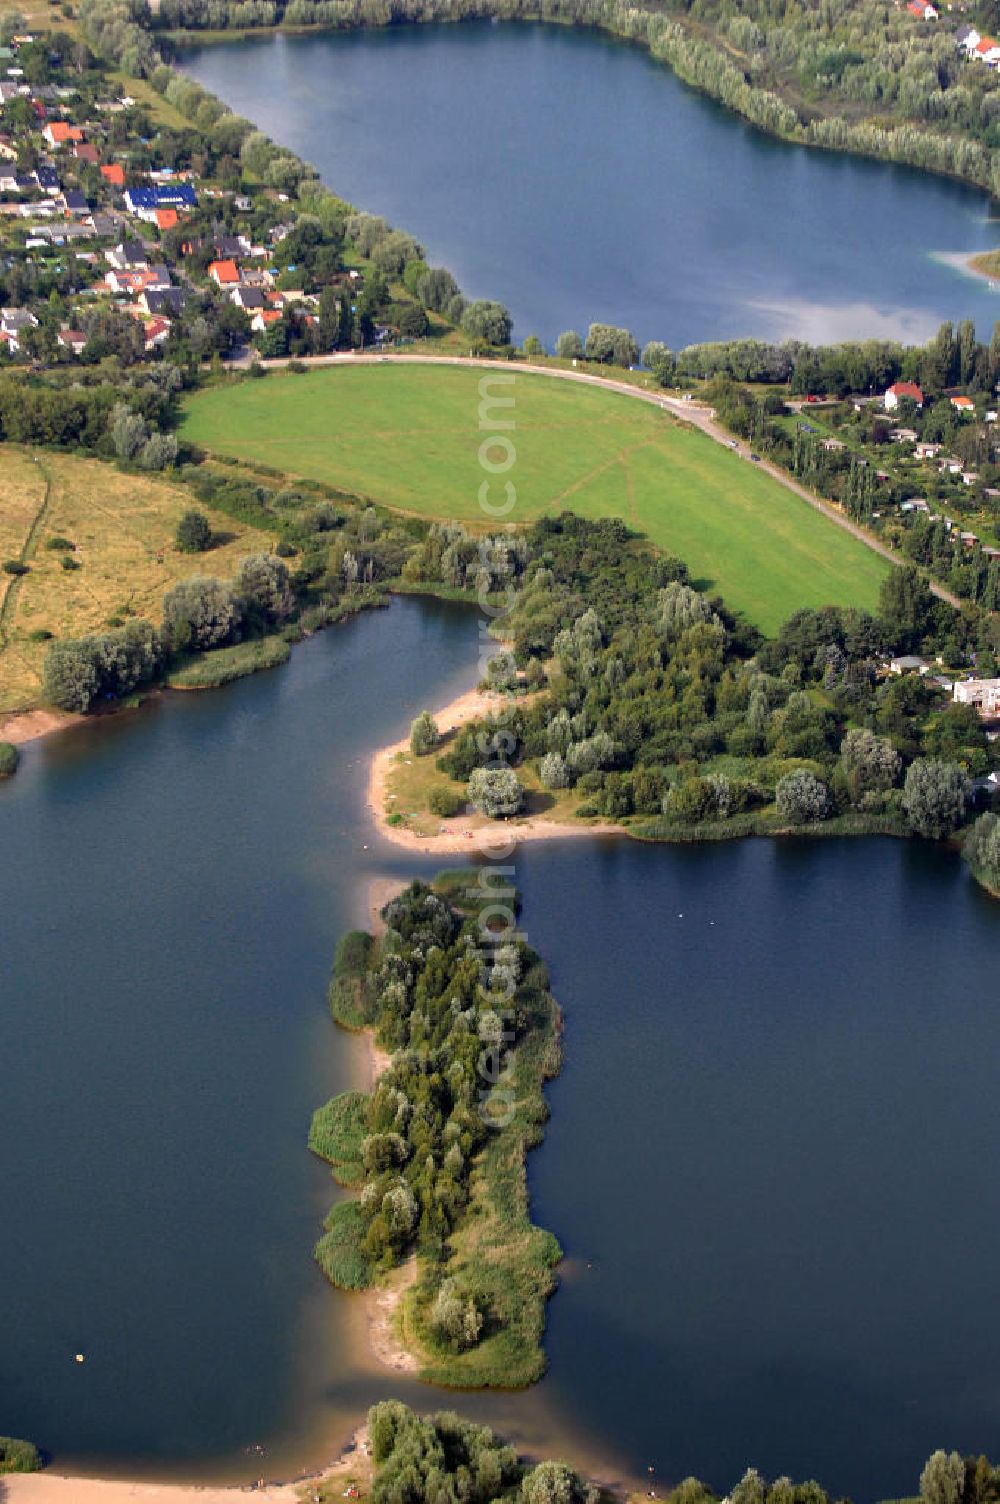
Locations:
(575, 179)
(773, 1158)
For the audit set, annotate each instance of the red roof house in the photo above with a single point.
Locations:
(901, 389)
(224, 273)
(113, 173)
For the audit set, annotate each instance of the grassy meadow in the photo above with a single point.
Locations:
(122, 531)
(409, 437)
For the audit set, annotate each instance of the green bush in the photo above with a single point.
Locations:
(8, 760)
(340, 1252)
(194, 533)
(336, 1135)
(14, 567)
(446, 802)
(18, 1456)
(60, 544)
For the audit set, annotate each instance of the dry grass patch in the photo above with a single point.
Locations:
(122, 530)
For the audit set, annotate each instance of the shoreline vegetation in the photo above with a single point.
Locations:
(464, 1036)
(732, 56)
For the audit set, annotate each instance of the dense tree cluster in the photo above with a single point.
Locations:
(661, 705)
(442, 1000)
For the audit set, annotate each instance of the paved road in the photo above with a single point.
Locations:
(695, 413)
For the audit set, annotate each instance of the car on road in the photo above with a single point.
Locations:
(755, 458)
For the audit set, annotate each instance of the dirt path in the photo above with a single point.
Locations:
(383, 1303)
(699, 416)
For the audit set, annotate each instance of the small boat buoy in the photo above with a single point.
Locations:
(79, 1357)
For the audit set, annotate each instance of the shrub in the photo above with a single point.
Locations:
(68, 563)
(200, 613)
(14, 567)
(553, 771)
(18, 1456)
(456, 1320)
(340, 1252)
(446, 802)
(802, 798)
(60, 544)
(8, 759)
(194, 533)
(495, 791)
(934, 797)
(424, 734)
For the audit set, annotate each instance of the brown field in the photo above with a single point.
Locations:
(122, 527)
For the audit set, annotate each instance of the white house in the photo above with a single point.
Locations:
(983, 693)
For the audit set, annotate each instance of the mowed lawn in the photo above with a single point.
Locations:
(409, 437)
(122, 528)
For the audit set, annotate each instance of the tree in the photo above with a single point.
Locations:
(905, 605)
(488, 321)
(129, 432)
(532, 347)
(553, 771)
(656, 357)
(69, 676)
(870, 763)
(982, 850)
(802, 798)
(934, 797)
(8, 759)
(194, 533)
(569, 345)
(495, 791)
(200, 613)
(262, 584)
(501, 672)
(456, 1320)
(943, 1478)
(605, 342)
(550, 1483)
(424, 734)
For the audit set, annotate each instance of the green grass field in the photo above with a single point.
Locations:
(409, 437)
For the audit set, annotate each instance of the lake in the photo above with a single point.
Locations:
(772, 1160)
(574, 179)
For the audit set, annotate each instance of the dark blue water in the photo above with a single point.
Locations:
(773, 1158)
(575, 179)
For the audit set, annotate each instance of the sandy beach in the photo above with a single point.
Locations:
(28, 725)
(58, 1488)
(466, 833)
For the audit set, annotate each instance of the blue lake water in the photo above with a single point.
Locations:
(575, 179)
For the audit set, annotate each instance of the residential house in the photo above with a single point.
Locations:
(75, 202)
(130, 255)
(85, 152)
(903, 436)
(113, 173)
(155, 331)
(909, 663)
(964, 405)
(60, 133)
(224, 273)
(166, 219)
(927, 451)
(144, 202)
(984, 694)
(231, 247)
(13, 323)
(248, 298)
(163, 302)
(72, 340)
(898, 391)
(265, 319)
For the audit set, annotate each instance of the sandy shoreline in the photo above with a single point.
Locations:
(58, 1488)
(465, 833)
(21, 726)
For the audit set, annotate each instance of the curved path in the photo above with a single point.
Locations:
(688, 411)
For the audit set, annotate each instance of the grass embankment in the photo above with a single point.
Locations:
(408, 437)
(483, 1246)
(121, 562)
(223, 665)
